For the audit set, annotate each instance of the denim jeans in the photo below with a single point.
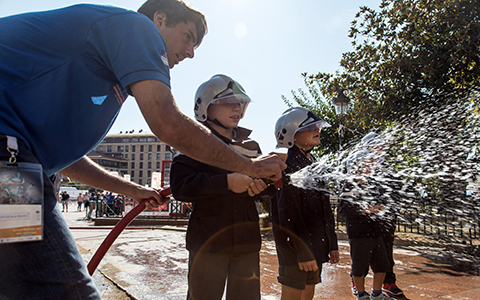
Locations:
(48, 269)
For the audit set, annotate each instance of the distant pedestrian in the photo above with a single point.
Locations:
(80, 199)
(88, 204)
(65, 199)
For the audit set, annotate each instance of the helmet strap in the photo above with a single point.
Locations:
(217, 122)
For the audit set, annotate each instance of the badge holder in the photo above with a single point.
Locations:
(21, 198)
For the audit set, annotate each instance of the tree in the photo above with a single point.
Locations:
(405, 55)
(414, 69)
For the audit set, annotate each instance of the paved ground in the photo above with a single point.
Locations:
(152, 264)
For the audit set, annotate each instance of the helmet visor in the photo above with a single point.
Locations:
(232, 99)
(316, 125)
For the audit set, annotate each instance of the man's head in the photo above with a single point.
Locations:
(182, 27)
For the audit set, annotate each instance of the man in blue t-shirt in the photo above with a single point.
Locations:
(56, 67)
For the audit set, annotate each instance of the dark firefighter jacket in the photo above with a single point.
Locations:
(303, 222)
(221, 220)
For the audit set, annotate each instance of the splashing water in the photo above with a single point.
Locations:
(429, 159)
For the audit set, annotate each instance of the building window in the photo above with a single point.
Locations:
(149, 156)
(141, 148)
(132, 165)
(126, 148)
(132, 174)
(143, 140)
(134, 140)
(158, 165)
(152, 139)
(149, 165)
(133, 156)
(159, 148)
(140, 181)
(140, 173)
(149, 173)
(126, 155)
(119, 148)
(133, 148)
(150, 148)
(125, 140)
(168, 156)
(141, 156)
(109, 148)
(167, 165)
(167, 148)
(158, 156)
(140, 166)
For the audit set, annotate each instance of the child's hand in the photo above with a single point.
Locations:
(334, 256)
(256, 187)
(308, 265)
(238, 183)
(374, 209)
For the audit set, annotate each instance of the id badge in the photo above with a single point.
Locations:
(21, 202)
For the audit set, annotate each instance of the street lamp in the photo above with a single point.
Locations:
(341, 103)
(341, 106)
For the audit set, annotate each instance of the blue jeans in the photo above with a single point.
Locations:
(48, 269)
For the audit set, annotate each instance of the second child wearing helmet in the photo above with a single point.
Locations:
(223, 236)
(303, 222)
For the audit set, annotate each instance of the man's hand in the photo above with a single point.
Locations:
(334, 256)
(374, 209)
(308, 265)
(147, 193)
(268, 166)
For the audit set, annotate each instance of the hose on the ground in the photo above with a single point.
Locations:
(112, 236)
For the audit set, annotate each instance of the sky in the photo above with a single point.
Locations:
(265, 45)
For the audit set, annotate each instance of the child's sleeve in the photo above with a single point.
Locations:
(189, 184)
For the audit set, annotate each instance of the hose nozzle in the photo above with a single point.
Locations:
(279, 183)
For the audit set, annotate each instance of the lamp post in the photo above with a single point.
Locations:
(341, 106)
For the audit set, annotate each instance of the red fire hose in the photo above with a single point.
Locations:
(112, 236)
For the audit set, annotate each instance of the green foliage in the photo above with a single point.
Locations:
(406, 55)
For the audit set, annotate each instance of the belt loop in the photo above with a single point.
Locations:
(12, 147)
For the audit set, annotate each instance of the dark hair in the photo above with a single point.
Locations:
(176, 11)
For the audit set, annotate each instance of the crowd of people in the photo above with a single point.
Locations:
(106, 203)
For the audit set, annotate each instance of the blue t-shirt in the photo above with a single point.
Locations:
(64, 75)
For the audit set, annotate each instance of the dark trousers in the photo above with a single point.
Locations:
(388, 237)
(208, 272)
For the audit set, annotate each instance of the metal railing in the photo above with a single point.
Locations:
(430, 220)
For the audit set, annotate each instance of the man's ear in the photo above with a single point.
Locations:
(160, 19)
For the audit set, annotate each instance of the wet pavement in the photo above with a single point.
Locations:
(151, 263)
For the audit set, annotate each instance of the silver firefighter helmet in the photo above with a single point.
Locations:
(293, 120)
(220, 89)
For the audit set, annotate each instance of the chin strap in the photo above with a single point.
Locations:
(217, 122)
(307, 151)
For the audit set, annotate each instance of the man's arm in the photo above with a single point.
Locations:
(171, 126)
(90, 173)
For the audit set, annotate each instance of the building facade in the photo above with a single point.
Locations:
(135, 155)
